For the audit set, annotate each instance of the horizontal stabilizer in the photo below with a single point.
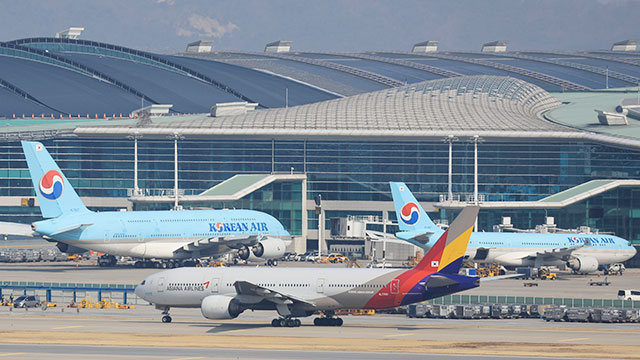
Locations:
(9, 228)
(436, 280)
(421, 237)
(70, 228)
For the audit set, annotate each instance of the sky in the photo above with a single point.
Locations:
(166, 26)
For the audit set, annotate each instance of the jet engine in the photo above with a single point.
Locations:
(244, 253)
(269, 248)
(218, 307)
(69, 249)
(583, 264)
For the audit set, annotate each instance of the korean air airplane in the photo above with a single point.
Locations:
(175, 235)
(583, 253)
(224, 293)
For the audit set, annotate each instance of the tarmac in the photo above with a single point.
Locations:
(568, 285)
(126, 333)
(64, 333)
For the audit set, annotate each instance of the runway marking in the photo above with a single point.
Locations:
(10, 354)
(68, 327)
(396, 335)
(574, 339)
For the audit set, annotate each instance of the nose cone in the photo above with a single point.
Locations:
(140, 290)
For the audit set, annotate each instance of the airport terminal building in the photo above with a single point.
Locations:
(553, 137)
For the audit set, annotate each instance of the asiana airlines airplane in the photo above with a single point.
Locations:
(583, 253)
(224, 293)
(174, 236)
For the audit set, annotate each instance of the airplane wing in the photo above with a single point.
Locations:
(218, 245)
(249, 289)
(559, 253)
(9, 228)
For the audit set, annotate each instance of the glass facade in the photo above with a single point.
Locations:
(347, 171)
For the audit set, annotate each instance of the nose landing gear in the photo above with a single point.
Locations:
(166, 318)
(286, 322)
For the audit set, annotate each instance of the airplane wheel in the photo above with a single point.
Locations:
(166, 319)
(275, 322)
(137, 265)
(163, 265)
(339, 322)
(316, 322)
(268, 262)
(298, 322)
(274, 262)
(283, 322)
(291, 322)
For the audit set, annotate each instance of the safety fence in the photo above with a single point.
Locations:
(530, 300)
(70, 292)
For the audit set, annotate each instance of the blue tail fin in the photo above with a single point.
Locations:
(412, 219)
(55, 195)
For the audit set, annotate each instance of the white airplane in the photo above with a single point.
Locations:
(583, 253)
(224, 293)
(170, 235)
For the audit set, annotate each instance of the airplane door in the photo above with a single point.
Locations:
(320, 286)
(214, 286)
(160, 284)
(395, 286)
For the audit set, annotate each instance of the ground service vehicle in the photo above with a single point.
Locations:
(27, 301)
(337, 258)
(629, 295)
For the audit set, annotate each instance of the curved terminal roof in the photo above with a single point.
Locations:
(476, 103)
(491, 106)
(71, 72)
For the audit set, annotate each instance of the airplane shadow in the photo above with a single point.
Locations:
(224, 327)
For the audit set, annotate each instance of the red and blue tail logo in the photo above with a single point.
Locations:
(51, 185)
(410, 213)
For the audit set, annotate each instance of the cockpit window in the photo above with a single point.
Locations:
(143, 281)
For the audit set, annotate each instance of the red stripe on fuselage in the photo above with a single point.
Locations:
(384, 299)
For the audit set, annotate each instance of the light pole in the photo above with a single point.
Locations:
(475, 139)
(176, 136)
(450, 139)
(135, 136)
(318, 201)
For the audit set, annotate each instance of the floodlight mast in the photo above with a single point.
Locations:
(450, 139)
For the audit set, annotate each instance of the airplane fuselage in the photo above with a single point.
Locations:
(515, 249)
(157, 234)
(318, 288)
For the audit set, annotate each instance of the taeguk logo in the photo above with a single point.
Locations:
(51, 185)
(410, 213)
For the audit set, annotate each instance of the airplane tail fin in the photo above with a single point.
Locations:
(55, 195)
(446, 255)
(411, 216)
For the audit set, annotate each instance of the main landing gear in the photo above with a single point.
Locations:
(327, 320)
(272, 262)
(166, 318)
(286, 322)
